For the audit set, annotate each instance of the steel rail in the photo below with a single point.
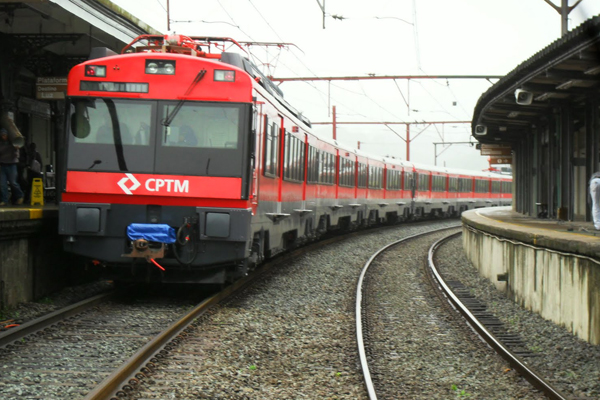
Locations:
(114, 386)
(536, 380)
(364, 364)
(117, 382)
(38, 324)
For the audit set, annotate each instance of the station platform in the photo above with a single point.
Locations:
(26, 212)
(547, 266)
(577, 237)
(32, 262)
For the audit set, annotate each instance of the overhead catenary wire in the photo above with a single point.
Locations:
(161, 6)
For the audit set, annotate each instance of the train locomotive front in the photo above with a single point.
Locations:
(159, 164)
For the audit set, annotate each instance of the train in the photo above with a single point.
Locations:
(183, 163)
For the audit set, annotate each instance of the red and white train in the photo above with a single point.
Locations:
(186, 165)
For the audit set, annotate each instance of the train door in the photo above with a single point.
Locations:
(256, 154)
(281, 163)
(336, 174)
(305, 178)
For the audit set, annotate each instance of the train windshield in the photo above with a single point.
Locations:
(160, 137)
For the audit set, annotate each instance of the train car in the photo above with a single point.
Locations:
(184, 163)
(397, 199)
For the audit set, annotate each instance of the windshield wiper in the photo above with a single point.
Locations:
(167, 121)
(96, 162)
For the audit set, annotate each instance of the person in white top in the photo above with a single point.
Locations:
(595, 195)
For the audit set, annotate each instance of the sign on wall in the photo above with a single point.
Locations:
(495, 150)
(51, 88)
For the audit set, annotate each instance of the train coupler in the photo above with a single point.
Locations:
(141, 248)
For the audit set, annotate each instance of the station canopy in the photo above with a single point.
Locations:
(565, 72)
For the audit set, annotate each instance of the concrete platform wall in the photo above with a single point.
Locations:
(560, 286)
(32, 262)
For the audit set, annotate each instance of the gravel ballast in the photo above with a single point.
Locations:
(568, 363)
(292, 336)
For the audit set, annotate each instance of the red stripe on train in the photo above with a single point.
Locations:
(132, 184)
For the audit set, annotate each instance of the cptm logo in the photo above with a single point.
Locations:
(154, 185)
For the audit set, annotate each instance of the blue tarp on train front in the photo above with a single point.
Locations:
(151, 232)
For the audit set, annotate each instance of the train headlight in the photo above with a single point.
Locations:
(98, 71)
(151, 68)
(88, 219)
(224, 75)
(169, 69)
(217, 224)
(160, 67)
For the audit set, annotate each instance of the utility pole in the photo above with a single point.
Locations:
(323, 10)
(334, 124)
(168, 17)
(564, 11)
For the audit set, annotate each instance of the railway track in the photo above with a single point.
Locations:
(287, 332)
(67, 353)
(508, 345)
(381, 347)
(262, 342)
(102, 348)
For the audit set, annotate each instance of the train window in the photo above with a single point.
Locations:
(362, 175)
(347, 172)
(294, 162)
(481, 186)
(465, 185)
(375, 177)
(286, 157)
(327, 169)
(322, 161)
(201, 126)
(300, 156)
(313, 165)
(495, 186)
(116, 132)
(408, 180)
(294, 152)
(453, 184)
(204, 139)
(130, 135)
(342, 178)
(439, 183)
(331, 166)
(111, 121)
(422, 182)
(271, 149)
(506, 187)
(293, 169)
(393, 180)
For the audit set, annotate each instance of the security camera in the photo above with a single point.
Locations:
(480, 130)
(523, 97)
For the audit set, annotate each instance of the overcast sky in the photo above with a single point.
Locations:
(382, 37)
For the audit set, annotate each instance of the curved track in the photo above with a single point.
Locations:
(483, 329)
(362, 352)
(422, 328)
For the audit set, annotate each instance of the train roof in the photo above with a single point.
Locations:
(201, 46)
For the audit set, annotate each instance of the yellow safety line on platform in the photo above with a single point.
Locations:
(528, 226)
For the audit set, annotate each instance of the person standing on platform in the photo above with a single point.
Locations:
(34, 166)
(9, 157)
(22, 167)
(595, 195)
